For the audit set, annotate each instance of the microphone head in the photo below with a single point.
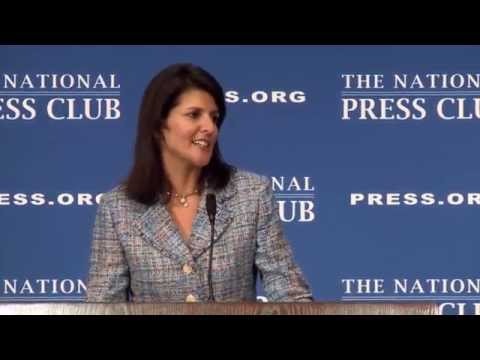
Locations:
(211, 205)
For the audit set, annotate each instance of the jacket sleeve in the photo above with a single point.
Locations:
(108, 278)
(282, 279)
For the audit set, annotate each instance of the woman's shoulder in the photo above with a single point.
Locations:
(245, 180)
(117, 198)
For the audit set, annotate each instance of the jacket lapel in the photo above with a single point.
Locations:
(158, 229)
(201, 230)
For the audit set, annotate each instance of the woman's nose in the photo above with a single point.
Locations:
(209, 124)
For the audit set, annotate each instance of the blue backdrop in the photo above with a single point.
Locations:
(371, 150)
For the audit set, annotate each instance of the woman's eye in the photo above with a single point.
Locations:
(193, 115)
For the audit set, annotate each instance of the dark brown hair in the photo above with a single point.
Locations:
(147, 181)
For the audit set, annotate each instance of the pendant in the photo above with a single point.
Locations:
(183, 201)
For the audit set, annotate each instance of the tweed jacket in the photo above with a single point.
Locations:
(139, 255)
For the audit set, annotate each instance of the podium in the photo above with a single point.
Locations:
(314, 308)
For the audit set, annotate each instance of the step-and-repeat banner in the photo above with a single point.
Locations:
(372, 152)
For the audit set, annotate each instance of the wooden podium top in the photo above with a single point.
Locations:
(315, 308)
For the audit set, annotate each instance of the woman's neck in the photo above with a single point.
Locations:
(182, 179)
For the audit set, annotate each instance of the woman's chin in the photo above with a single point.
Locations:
(200, 162)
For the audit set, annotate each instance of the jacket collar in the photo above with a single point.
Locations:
(159, 229)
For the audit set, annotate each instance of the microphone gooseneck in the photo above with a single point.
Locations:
(211, 211)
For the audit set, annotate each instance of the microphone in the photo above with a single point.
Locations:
(211, 211)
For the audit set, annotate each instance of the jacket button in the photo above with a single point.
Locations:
(191, 298)
(187, 269)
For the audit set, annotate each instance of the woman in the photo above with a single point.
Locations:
(151, 240)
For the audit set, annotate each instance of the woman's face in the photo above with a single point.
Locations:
(191, 131)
